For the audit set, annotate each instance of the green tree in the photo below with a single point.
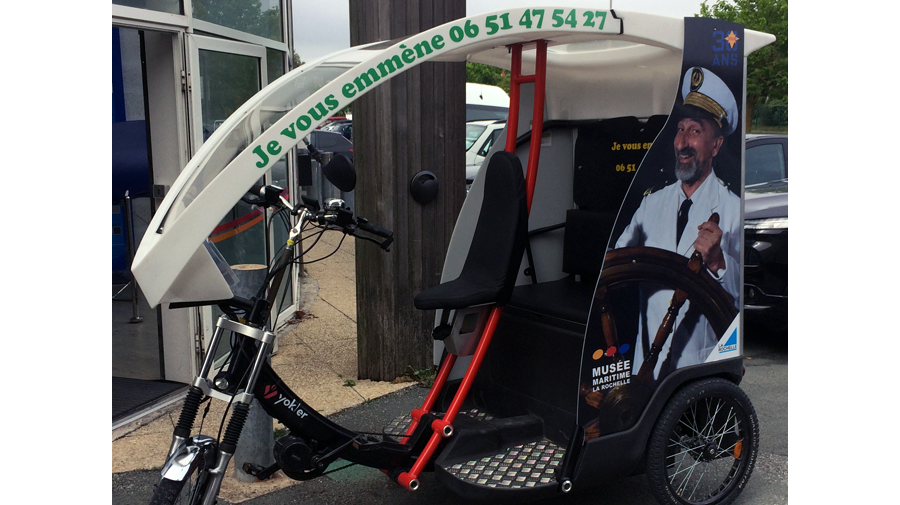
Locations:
(486, 74)
(767, 68)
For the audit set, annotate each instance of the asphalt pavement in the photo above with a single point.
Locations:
(766, 382)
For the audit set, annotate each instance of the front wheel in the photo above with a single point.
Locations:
(704, 445)
(187, 491)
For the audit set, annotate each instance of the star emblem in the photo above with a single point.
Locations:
(732, 39)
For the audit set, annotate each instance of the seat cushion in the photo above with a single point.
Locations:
(457, 294)
(564, 298)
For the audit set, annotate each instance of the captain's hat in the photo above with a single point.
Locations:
(704, 90)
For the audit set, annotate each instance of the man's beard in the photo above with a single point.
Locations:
(688, 173)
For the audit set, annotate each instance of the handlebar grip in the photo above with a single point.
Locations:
(374, 229)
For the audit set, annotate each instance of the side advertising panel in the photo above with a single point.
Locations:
(668, 294)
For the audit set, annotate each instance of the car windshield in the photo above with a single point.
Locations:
(240, 130)
(473, 131)
(765, 163)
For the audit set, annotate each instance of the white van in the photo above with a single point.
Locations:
(484, 101)
(486, 110)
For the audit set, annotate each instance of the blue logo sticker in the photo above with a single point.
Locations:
(730, 344)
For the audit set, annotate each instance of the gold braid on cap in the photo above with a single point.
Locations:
(706, 103)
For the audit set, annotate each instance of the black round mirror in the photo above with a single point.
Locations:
(340, 172)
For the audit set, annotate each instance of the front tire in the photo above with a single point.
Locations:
(704, 445)
(187, 491)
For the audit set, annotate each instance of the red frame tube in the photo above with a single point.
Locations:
(406, 477)
(537, 122)
(512, 123)
(436, 388)
(537, 128)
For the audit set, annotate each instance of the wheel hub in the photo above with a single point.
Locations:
(703, 449)
(709, 451)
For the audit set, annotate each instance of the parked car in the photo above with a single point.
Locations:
(344, 127)
(484, 101)
(331, 120)
(480, 137)
(331, 142)
(766, 231)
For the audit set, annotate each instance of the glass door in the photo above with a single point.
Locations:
(225, 74)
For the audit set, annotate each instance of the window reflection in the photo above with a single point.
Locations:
(168, 6)
(257, 17)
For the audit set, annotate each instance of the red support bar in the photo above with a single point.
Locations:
(537, 122)
(537, 117)
(512, 123)
(477, 358)
(412, 476)
(410, 479)
(433, 393)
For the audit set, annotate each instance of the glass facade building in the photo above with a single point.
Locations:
(179, 69)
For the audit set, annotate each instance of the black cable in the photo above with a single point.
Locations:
(205, 411)
(300, 259)
(230, 401)
(272, 273)
(222, 422)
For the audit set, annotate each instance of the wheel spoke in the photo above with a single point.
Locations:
(684, 453)
(678, 469)
(692, 426)
(725, 426)
(680, 444)
(690, 471)
(705, 467)
(707, 430)
(690, 468)
(694, 417)
(722, 451)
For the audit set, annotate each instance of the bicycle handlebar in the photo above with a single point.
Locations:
(332, 215)
(374, 229)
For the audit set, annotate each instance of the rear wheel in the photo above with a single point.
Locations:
(704, 445)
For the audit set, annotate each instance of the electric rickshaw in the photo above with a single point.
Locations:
(587, 323)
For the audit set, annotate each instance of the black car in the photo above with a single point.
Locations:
(766, 231)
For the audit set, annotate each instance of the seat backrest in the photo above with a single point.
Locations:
(584, 241)
(607, 155)
(498, 242)
(502, 228)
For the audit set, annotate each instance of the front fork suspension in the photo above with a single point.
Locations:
(241, 404)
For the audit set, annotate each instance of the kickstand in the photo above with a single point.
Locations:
(259, 472)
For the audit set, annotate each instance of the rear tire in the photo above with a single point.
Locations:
(704, 445)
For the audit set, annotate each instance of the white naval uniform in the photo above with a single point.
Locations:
(654, 225)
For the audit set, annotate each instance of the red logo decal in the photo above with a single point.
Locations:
(270, 392)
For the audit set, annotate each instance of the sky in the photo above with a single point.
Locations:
(321, 28)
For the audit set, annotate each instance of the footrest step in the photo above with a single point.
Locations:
(521, 466)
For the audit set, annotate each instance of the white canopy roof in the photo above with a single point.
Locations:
(608, 64)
